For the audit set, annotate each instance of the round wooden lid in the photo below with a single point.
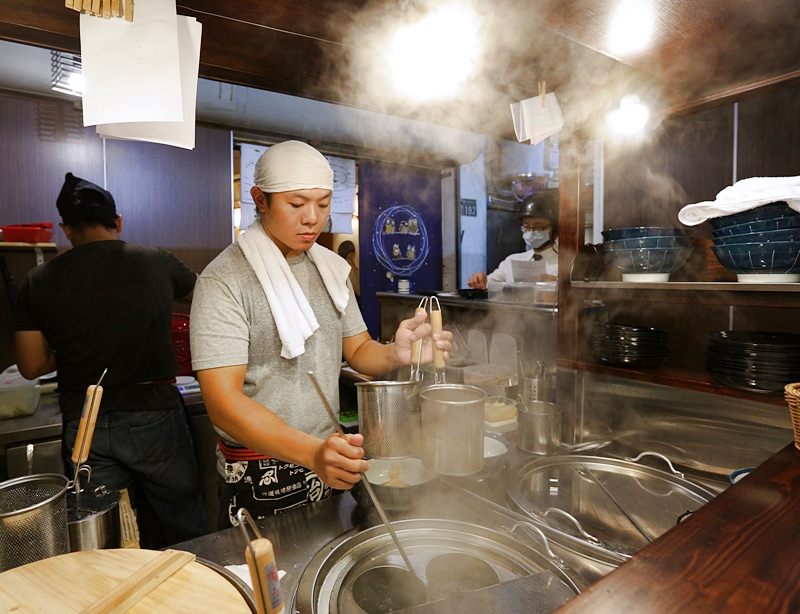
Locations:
(71, 582)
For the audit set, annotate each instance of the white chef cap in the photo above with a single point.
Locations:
(292, 165)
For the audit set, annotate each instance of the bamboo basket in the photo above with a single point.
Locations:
(792, 394)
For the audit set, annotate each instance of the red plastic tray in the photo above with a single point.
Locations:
(28, 233)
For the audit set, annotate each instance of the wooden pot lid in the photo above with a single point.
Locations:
(71, 582)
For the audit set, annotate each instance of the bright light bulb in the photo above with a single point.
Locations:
(429, 59)
(630, 118)
(631, 27)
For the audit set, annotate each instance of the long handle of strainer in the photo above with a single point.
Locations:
(364, 479)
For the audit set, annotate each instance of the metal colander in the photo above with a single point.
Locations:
(389, 418)
(33, 519)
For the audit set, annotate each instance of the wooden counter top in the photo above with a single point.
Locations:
(740, 553)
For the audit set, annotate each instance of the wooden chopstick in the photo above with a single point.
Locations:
(137, 586)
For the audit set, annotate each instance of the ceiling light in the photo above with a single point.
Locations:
(431, 58)
(66, 75)
(631, 27)
(630, 118)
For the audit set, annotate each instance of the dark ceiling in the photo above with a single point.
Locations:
(703, 50)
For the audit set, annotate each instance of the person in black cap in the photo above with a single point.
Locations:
(539, 217)
(107, 304)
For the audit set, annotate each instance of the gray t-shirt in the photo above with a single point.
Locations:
(231, 324)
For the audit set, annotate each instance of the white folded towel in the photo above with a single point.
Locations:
(291, 311)
(742, 196)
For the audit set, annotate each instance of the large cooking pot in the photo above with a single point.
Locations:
(363, 572)
(616, 505)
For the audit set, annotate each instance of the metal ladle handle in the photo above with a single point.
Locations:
(364, 479)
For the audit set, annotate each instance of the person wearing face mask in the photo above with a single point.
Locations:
(270, 308)
(539, 216)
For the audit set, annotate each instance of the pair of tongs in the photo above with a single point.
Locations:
(260, 557)
(429, 305)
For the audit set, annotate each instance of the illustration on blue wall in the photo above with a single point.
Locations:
(400, 240)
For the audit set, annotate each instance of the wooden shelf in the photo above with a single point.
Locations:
(680, 378)
(7, 245)
(694, 286)
(694, 292)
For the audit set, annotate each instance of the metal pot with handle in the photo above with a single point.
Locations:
(92, 510)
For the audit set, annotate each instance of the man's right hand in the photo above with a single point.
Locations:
(478, 281)
(339, 461)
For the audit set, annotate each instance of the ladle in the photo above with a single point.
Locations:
(364, 479)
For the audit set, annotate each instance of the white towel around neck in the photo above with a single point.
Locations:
(744, 195)
(291, 311)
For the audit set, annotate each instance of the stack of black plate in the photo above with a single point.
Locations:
(628, 346)
(755, 361)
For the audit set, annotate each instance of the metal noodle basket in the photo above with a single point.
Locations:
(33, 519)
(389, 418)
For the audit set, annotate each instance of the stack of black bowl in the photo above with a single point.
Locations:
(761, 244)
(629, 346)
(755, 361)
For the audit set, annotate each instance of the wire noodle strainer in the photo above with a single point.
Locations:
(33, 519)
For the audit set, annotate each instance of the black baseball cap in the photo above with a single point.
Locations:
(83, 202)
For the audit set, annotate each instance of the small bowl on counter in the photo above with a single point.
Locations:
(398, 483)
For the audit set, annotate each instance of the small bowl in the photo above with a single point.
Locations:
(637, 232)
(495, 453)
(765, 212)
(778, 223)
(410, 471)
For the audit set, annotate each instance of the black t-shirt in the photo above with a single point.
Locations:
(108, 304)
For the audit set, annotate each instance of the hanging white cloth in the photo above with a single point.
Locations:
(742, 196)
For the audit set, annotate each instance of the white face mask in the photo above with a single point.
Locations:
(535, 238)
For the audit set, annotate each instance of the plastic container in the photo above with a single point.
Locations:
(500, 414)
(40, 232)
(18, 396)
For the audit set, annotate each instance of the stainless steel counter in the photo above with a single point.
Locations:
(296, 537)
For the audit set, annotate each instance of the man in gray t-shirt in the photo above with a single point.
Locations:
(268, 310)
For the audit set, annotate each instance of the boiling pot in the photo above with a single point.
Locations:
(363, 572)
(617, 505)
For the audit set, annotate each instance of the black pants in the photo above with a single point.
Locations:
(152, 453)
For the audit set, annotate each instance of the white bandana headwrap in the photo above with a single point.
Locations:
(292, 165)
